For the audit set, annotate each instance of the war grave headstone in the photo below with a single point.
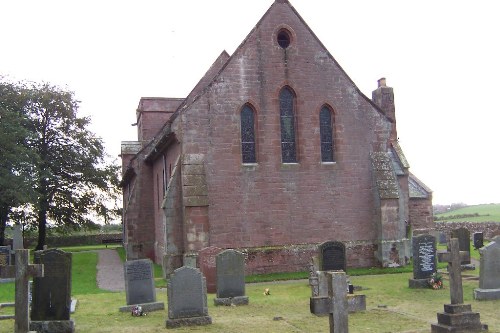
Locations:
(332, 256)
(140, 286)
(478, 240)
(457, 317)
(187, 298)
(489, 273)
(463, 236)
(51, 294)
(22, 271)
(424, 260)
(337, 293)
(320, 304)
(207, 263)
(230, 278)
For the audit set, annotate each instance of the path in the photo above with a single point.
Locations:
(110, 271)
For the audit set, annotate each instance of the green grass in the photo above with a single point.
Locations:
(485, 213)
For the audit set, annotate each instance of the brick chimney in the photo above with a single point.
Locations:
(383, 96)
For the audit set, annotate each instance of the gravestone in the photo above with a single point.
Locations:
(51, 294)
(17, 239)
(424, 260)
(5, 255)
(489, 273)
(337, 292)
(320, 304)
(457, 317)
(463, 236)
(140, 286)
(313, 275)
(231, 278)
(21, 271)
(187, 298)
(332, 256)
(442, 238)
(478, 238)
(207, 262)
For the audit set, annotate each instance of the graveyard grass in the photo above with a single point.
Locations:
(391, 307)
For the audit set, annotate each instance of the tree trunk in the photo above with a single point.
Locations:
(4, 213)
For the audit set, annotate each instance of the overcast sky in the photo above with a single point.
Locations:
(441, 57)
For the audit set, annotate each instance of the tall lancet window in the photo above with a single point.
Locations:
(287, 122)
(248, 135)
(326, 134)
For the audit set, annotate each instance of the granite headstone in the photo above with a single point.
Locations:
(140, 286)
(231, 278)
(489, 273)
(463, 236)
(424, 260)
(187, 298)
(51, 297)
(332, 256)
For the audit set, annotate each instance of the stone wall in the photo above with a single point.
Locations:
(490, 229)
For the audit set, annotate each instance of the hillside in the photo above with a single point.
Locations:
(476, 213)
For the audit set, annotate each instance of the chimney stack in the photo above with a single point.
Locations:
(383, 97)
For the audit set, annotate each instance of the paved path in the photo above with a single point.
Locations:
(110, 271)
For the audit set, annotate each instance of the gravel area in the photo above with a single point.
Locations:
(110, 271)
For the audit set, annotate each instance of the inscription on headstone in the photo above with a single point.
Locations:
(332, 256)
(187, 298)
(4, 255)
(139, 281)
(52, 292)
(424, 256)
(463, 236)
(207, 263)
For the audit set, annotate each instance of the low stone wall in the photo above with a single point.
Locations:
(297, 258)
(489, 229)
(70, 240)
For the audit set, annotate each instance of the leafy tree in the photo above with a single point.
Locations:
(16, 187)
(73, 181)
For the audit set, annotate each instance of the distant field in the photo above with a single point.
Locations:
(477, 213)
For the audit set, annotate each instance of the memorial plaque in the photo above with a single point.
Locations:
(4, 255)
(332, 256)
(478, 240)
(187, 294)
(424, 256)
(52, 292)
(139, 281)
(463, 236)
(230, 274)
(208, 266)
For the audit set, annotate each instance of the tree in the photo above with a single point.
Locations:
(16, 187)
(73, 181)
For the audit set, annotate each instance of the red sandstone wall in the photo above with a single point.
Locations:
(273, 203)
(421, 215)
(152, 113)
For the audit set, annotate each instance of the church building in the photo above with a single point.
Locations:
(273, 152)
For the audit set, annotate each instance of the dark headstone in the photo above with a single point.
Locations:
(332, 256)
(442, 238)
(207, 262)
(478, 238)
(140, 286)
(231, 278)
(489, 281)
(4, 255)
(187, 298)
(424, 260)
(52, 292)
(463, 236)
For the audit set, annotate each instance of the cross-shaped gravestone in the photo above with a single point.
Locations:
(337, 292)
(21, 271)
(454, 257)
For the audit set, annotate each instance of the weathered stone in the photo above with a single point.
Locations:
(463, 236)
(230, 278)
(207, 262)
(489, 281)
(332, 256)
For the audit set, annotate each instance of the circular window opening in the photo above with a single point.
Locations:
(284, 38)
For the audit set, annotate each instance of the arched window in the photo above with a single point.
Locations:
(287, 122)
(248, 135)
(326, 134)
